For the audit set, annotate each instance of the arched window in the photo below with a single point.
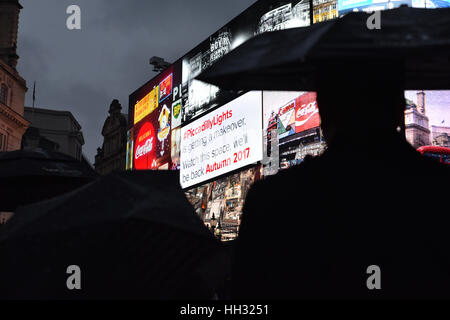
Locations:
(3, 94)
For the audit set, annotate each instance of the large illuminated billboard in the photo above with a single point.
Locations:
(263, 16)
(345, 6)
(224, 140)
(291, 129)
(155, 110)
(427, 118)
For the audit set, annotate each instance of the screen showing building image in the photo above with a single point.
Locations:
(345, 6)
(427, 122)
(222, 200)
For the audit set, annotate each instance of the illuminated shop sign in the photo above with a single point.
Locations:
(222, 141)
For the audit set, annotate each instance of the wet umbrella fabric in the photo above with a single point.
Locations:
(134, 235)
(31, 176)
(419, 39)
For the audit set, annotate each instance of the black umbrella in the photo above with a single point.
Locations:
(133, 235)
(419, 39)
(31, 176)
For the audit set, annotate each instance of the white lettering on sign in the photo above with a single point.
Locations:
(222, 141)
(144, 149)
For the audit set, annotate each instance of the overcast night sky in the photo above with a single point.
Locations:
(84, 70)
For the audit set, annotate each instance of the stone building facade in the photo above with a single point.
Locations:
(12, 85)
(58, 126)
(112, 155)
(440, 136)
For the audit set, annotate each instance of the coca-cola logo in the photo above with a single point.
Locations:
(144, 154)
(145, 149)
(305, 110)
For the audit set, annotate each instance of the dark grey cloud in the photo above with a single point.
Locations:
(83, 71)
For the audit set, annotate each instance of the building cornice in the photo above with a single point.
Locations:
(416, 126)
(14, 74)
(13, 116)
(56, 113)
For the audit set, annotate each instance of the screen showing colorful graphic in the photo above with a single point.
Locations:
(146, 105)
(291, 129)
(165, 88)
(145, 148)
(154, 105)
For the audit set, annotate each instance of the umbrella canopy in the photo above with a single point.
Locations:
(32, 176)
(418, 39)
(133, 235)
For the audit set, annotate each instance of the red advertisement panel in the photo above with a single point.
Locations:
(165, 88)
(145, 151)
(306, 112)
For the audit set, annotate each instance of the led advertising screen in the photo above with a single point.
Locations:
(155, 108)
(263, 16)
(345, 6)
(223, 200)
(427, 122)
(291, 129)
(226, 139)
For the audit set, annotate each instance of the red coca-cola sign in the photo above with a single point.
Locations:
(145, 150)
(306, 112)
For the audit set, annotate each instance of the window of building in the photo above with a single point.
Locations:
(3, 94)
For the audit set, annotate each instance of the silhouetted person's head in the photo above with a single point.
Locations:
(360, 101)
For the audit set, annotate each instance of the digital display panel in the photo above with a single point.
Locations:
(226, 139)
(156, 109)
(263, 16)
(427, 119)
(291, 129)
(223, 200)
(146, 105)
